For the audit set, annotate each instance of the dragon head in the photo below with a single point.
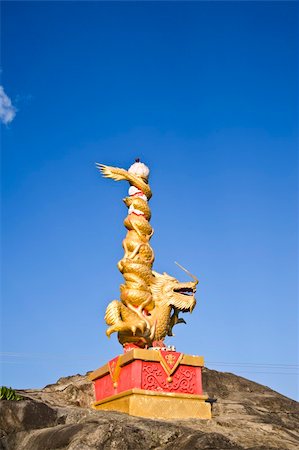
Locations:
(167, 290)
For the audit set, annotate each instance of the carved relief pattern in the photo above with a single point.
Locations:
(154, 378)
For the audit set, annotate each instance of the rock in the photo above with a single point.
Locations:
(246, 416)
(26, 415)
(75, 390)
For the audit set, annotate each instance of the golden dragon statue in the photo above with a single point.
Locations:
(150, 302)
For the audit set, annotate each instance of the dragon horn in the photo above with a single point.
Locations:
(187, 271)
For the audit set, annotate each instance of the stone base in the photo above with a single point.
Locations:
(159, 405)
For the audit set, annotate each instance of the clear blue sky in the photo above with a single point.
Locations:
(205, 93)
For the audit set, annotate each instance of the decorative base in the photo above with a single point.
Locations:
(152, 383)
(158, 405)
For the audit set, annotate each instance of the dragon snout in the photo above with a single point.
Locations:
(184, 295)
(188, 290)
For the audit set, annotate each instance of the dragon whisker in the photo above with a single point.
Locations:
(187, 271)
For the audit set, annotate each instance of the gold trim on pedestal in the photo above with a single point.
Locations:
(169, 363)
(145, 355)
(157, 405)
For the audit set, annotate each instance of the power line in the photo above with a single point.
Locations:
(87, 356)
(269, 373)
(253, 364)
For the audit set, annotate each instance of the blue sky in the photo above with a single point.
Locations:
(206, 94)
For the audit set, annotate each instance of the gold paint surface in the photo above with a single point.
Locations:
(150, 302)
(99, 373)
(157, 405)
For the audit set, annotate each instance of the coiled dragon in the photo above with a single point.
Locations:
(150, 302)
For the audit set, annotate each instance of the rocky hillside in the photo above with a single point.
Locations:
(246, 416)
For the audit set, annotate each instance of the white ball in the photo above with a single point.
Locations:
(139, 169)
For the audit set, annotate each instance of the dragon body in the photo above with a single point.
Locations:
(150, 302)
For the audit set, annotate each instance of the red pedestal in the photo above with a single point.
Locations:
(149, 370)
